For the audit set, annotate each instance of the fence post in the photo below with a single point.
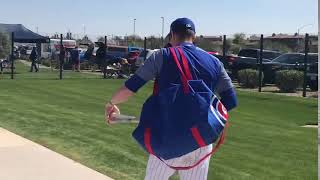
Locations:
(50, 50)
(12, 55)
(61, 56)
(224, 46)
(260, 62)
(105, 58)
(306, 51)
(145, 49)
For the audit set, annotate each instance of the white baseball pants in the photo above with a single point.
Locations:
(157, 170)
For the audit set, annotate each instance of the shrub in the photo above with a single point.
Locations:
(289, 80)
(4, 45)
(249, 78)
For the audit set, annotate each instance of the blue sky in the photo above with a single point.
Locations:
(211, 17)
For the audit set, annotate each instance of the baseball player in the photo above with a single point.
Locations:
(203, 66)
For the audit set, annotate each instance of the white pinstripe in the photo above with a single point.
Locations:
(157, 170)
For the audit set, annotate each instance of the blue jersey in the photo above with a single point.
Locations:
(202, 65)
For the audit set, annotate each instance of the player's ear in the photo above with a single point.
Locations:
(173, 38)
(193, 37)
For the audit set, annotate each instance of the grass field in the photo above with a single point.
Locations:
(264, 141)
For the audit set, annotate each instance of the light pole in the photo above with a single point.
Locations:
(306, 25)
(134, 26)
(134, 30)
(84, 30)
(162, 39)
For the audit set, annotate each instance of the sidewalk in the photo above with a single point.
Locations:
(28, 63)
(22, 159)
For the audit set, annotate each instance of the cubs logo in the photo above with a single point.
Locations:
(222, 110)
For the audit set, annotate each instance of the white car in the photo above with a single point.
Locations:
(140, 59)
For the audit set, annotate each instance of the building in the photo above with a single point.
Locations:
(210, 38)
(295, 42)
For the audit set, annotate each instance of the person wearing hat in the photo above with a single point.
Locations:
(33, 57)
(203, 66)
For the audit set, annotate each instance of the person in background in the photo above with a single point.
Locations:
(33, 57)
(75, 59)
(68, 59)
(88, 56)
(101, 56)
(62, 56)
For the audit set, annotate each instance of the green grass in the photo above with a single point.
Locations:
(264, 141)
(44, 74)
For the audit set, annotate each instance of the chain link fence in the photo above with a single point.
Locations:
(236, 51)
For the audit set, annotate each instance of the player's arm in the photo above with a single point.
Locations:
(226, 90)
(148, 71)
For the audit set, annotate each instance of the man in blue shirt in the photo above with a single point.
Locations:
(203, 66)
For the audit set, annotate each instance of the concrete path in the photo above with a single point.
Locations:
(28, 63)
(22, 159)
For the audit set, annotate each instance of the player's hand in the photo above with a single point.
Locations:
(109, 110)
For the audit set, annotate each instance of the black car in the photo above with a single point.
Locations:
(293, 61)
(312, 76)
(249, 58)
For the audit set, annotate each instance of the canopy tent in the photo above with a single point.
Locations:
(22, 34)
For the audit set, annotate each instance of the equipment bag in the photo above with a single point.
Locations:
(181, 118)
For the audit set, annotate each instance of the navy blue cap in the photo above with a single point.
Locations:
(182, 24)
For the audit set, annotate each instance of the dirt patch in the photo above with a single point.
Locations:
(273, 89)
(28, 63)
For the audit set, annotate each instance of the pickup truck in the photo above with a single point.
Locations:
(249, 58)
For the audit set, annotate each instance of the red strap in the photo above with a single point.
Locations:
(197, 136)
(185, 64)
(147, 140)
(184, 79)
(155, 87)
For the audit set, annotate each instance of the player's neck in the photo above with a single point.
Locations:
(177, 43)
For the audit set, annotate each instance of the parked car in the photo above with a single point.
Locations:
(213, 52)
(227, 61)
(312, 76)
(293, 61)
(249, 58)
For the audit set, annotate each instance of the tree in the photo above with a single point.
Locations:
(4, 45)
(84, 40)
(154, 42)
(235, 49)
(205, 44)
(228, 45)
(239, 38)
(117, 38)
(55, 36)
(134, 40)
(69, 35)
(277, 46)
(100, 39)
